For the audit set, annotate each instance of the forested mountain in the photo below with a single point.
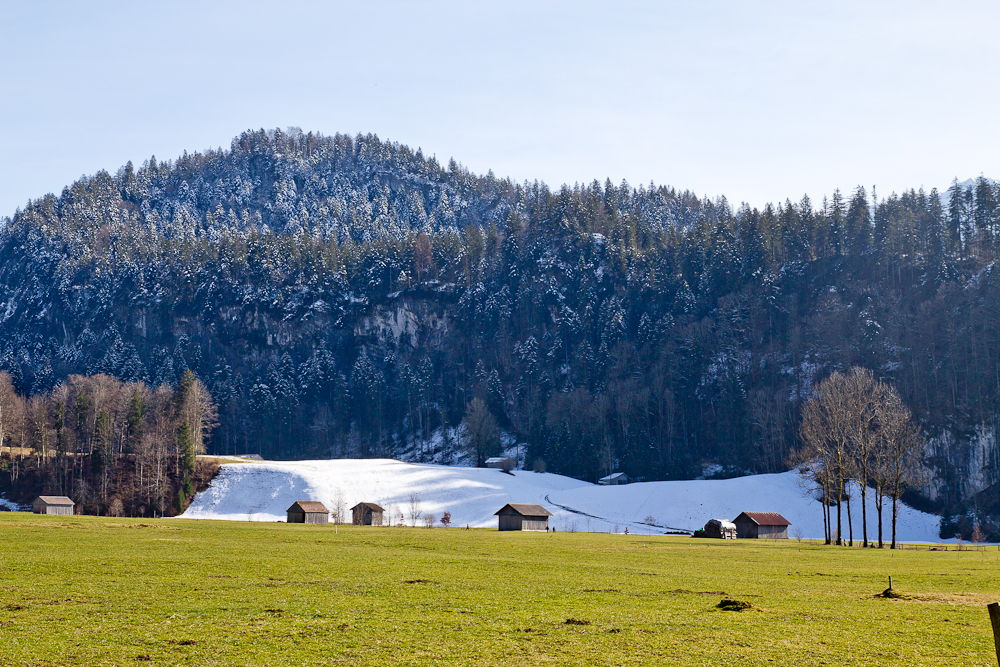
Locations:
(345, 296)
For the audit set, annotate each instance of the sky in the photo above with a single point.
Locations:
(757, 101)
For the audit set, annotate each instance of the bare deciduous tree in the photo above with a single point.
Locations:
(12, 416)
(857, 428)
(825, 432)
(8, 405)
(482, 431)
(415, 511)
(903, 446)
(338, 505)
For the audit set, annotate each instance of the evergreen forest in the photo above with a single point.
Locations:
(350, 297)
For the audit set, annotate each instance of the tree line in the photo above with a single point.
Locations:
(118, 448)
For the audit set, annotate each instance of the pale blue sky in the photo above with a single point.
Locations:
(757, 101)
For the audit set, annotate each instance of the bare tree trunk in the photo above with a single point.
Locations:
(864, 514)
(879, 500)
(840, 529)
(850, 523)
(895, 514)
(825, 510)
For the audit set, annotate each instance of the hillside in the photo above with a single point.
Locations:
(348, 297)
(262, 491)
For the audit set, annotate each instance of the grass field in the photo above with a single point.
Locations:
(97, 591)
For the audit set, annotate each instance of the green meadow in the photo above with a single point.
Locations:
(98, 591)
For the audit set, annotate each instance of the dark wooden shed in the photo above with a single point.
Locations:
(516, 516)
(367, 514)
(53, 505)
(308, 511)
(500, 462)
(763, 525)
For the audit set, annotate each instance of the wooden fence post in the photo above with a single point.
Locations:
(994, 610)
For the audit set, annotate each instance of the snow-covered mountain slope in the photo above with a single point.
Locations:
(262, 491)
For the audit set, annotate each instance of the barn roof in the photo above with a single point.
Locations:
(766, 518)
(309, 506)
(367, 506)
(56, 500)
(614, 475)
(525, 510)
(498, 459)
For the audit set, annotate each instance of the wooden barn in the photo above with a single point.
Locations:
(367, 514)
(516, 516)
(763, 525)
(614, 479)
(720, 529)
(500, 462)
(53, 505)
(308, 511)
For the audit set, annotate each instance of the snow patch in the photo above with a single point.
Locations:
(11, 506)
(264, 491)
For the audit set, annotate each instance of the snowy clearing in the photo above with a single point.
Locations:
(11, 506)
(262, 491)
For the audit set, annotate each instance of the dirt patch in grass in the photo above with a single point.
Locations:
(601, 590)
(419, 581)
(15, 607)
(684, 591)
(963, 599)
(575, 621)
(890, 594)
(734, 605)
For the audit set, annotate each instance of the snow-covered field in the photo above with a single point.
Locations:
(262, 491)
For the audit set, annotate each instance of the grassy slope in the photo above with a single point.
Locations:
(96, 591)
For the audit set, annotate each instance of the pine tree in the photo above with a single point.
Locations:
(482, 431)
(857, 223)
(135, 419)
(836, 234)
(956, 217)
(186, 445)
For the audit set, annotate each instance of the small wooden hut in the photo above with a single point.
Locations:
(762, 525)
(720, 529)
(53, 505)
(500, 462)
(516, 516)
(367, 514)
(614, 479)
(308, 511)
